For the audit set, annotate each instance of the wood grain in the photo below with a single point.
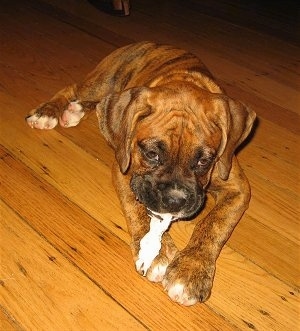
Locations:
(35, 275)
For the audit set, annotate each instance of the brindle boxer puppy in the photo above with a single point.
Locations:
(174, 132)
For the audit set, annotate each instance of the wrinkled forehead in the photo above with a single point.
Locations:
(180, 129)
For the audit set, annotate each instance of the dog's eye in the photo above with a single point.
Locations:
(203, 159)
(152, 152)
(203, 162)
(152, 155)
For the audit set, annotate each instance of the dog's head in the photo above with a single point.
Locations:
(170, 138)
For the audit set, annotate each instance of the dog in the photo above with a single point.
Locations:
(174, 132)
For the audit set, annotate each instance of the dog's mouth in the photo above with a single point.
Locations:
(181, 201)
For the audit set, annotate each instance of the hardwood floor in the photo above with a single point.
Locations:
(65, 257)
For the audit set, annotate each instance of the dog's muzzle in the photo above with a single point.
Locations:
(178, 199)
(174, 197)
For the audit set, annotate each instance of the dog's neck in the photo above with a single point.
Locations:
(196, 78)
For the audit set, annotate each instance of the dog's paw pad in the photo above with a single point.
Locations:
(178, 294)
(44, 122)
(157, 272)
(72, 115)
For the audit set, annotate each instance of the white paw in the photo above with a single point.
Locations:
(72, 115)
(41, 122)
(178, 294)
(150, 244)
(142, 266)
(157, 273)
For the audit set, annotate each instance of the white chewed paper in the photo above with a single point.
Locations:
(150, 244)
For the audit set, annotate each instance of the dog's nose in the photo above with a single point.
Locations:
(174, 202)
(174, 197)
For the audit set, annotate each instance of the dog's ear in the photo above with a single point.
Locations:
(118, 114)
(235, 120)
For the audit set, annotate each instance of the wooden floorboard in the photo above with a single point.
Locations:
(40, 277)
(65, 257)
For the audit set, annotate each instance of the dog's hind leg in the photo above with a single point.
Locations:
(67, 107)
(49, 114)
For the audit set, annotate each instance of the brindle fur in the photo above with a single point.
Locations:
(166, 99)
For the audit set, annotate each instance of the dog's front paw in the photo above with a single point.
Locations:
(158, 269)
(189, 279)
